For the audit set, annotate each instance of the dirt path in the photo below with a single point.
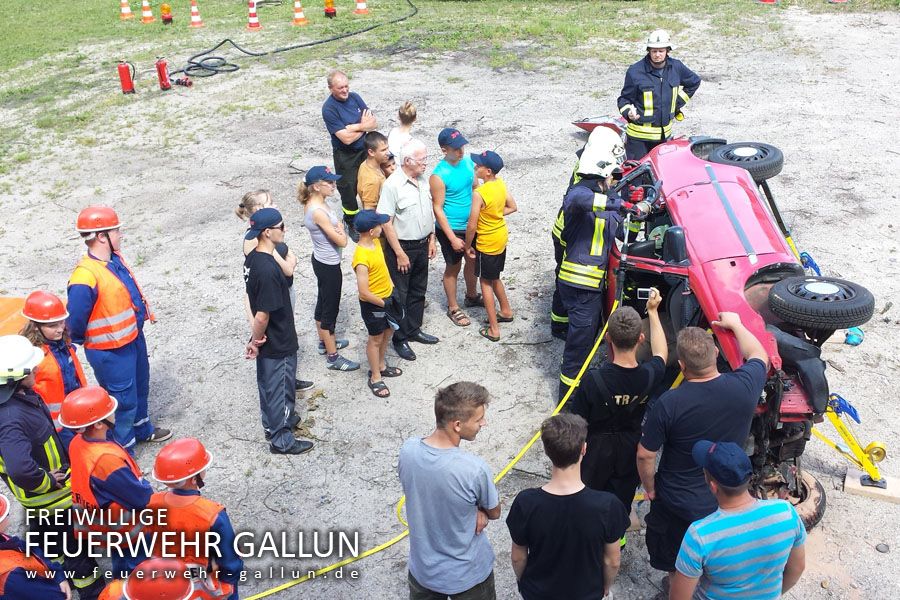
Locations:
(806, 88)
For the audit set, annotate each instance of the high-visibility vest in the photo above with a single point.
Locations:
(10, 560)
(113, 320)
(191, 516)
(84, 457)
(49, 383)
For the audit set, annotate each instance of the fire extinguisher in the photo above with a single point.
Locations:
(162, 73)
(126, 77)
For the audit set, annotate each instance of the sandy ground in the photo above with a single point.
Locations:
(807, 89)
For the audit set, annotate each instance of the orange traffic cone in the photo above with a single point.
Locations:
(252, 19)
(361, 8)
(146, 13)
(125, 11)
(299, 17)
(196, 21)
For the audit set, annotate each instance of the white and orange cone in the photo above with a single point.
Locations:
(252, 19)
(361, 8)
(196, 21)
(146, 13)
(299, 17)
(125, 11)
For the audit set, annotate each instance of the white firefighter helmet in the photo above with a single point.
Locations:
(660, 39)
(18, 358)
(603, 153)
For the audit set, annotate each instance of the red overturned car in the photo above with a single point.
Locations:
(712, 239)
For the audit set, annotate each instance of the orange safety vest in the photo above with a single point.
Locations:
(48, 380)
(10, 560)
(85, 459)
(191, 516)
(113, 320)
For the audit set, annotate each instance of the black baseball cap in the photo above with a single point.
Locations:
(726, 462)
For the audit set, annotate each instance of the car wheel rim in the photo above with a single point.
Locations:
(824, 291)
(746, 154)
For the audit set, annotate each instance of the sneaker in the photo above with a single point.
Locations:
(339, 343)
(353, 233)
(342, 364)
(302, 386)
(299, 447)
(159, 435)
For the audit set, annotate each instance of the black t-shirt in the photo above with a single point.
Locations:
(719, 410)
(565, 536)
(613, 398)
(267, 289)
(282, 249)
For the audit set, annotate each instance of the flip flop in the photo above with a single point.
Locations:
(502, 319)
(458, 317)
(485, 332)
(379, 389)
(392, 372)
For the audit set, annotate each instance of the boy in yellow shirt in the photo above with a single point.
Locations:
(491, 202)
(374, 284)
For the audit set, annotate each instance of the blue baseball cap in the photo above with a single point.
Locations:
(451, 138)
(488, 159)
(264, 218)
(367, 220)
(726, 462)
(320, 173)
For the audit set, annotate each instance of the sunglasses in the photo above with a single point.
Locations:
(281, 227)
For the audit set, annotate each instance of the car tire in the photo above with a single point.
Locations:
(811, 507)
(762, 161)
(821, 303)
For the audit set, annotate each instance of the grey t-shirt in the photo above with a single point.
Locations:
(444, 489)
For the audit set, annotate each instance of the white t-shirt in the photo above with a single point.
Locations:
(396, 139)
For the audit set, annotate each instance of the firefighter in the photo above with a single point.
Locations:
(656, 88)
(559, 318)
(60, 372)
(181, 465)
(153, 579)
(107, 310)
(591, 223)
(106, 482)
(45, 582)
(34, 464)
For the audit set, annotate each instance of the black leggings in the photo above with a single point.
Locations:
(328, 302)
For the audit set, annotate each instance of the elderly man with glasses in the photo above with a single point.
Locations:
(406, 199)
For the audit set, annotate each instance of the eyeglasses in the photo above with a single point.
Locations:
(281, 227)
(418, 161)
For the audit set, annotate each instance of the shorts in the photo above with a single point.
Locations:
(328, 300)
(489, 266)
(451, 256)
(610, 464)
(373, 317)
(665, 531)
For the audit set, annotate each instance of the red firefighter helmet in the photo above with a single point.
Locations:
(44, 307)
(4, 507)
(180, 460)
(97, 218)
(149, 581)
(85, 406)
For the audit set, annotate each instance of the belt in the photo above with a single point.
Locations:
(414, 243)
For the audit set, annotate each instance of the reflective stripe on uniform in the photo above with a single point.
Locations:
(557, 318)
(53, 458)
(349, 212)
(683, 95)
(107, 329)
(648, 103)
(558, 227)
(43, 497)
(648, 132)
(585, 275)
(568, 380)
(675, 91)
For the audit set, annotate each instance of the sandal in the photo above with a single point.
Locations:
(476, 300)
(485, 332)
(392, 372)
(379, 388)
(459, 317)
(502, 319)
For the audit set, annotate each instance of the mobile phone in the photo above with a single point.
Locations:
(644, 293)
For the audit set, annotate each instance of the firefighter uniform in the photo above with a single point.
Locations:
(592, 221)
(559, 318)
(107, 310)
(192, 516)
(42, 580)
(30, 449)
(658, 95)
(109, 486)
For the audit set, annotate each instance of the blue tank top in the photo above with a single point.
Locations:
(458, 181)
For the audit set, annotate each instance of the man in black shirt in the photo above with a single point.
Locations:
(708, 406)
(613, 397)
(565, 536)
(273, 339)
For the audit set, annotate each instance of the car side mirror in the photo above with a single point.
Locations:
(674, 250)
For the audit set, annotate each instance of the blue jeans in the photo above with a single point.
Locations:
(125, 373)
